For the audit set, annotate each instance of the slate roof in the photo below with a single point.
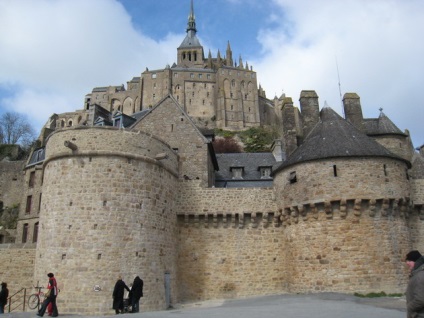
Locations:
(334, 137)
(381, 126)
(250, 162)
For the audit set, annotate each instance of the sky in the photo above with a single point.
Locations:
(54, 52)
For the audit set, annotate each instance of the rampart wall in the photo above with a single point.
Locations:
(230, 258)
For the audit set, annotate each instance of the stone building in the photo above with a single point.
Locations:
(131, 185)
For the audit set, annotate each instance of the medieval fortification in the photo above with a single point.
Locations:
(131, 185)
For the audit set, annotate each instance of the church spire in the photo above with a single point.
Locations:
(191, 25)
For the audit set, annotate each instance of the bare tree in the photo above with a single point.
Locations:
(226, 145)
(15, 129)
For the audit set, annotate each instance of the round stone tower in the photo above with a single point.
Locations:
(344, 202)
(107, 210)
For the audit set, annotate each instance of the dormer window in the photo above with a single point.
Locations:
(117, 122)
(237, 172)
(265, 172)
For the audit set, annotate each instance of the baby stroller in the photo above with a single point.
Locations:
(127, 305)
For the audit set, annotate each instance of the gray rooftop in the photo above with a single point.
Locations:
(381, 126)
(250, 163)
(334, 137)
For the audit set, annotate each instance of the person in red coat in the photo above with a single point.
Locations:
(51, 298)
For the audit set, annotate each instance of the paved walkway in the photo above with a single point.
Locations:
(324, 305)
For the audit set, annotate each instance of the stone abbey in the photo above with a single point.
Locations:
(131, 185)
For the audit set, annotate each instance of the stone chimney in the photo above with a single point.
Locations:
(289, 126)
(309, 109)
(353, 110)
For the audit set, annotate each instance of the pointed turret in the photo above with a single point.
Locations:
(229, 54)
(210, 63)
(191, 24)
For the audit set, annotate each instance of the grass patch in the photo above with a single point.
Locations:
(376, 295)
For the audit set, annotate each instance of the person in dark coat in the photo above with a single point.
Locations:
(136, 294)
(51, 298)
(415, 290)
(4, 294)
(118, 295)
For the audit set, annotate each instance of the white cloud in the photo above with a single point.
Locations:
(54, 52)
(377, 47)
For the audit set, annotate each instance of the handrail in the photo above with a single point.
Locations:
(19, 296)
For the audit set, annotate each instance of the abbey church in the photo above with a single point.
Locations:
(131, 185)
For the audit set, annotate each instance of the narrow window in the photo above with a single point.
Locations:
(407, 174)
(335, 170)
(28, 204)
(35, 234)
(25, 233)
(39, 203)
(385, 170)
(293, 177)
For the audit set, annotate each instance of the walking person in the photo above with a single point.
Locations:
(50, 297)
(4, 294)
(415, 289)
(118, 295)
(136, 294)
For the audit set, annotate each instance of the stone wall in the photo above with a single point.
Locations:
(220, 259)
(181, 134)
(195, 200)
(417, 191)
(352, 253)
(346, 224)
(11, 182)
(17, 266)
(118, 219)
(229, 243)
(352, 178)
